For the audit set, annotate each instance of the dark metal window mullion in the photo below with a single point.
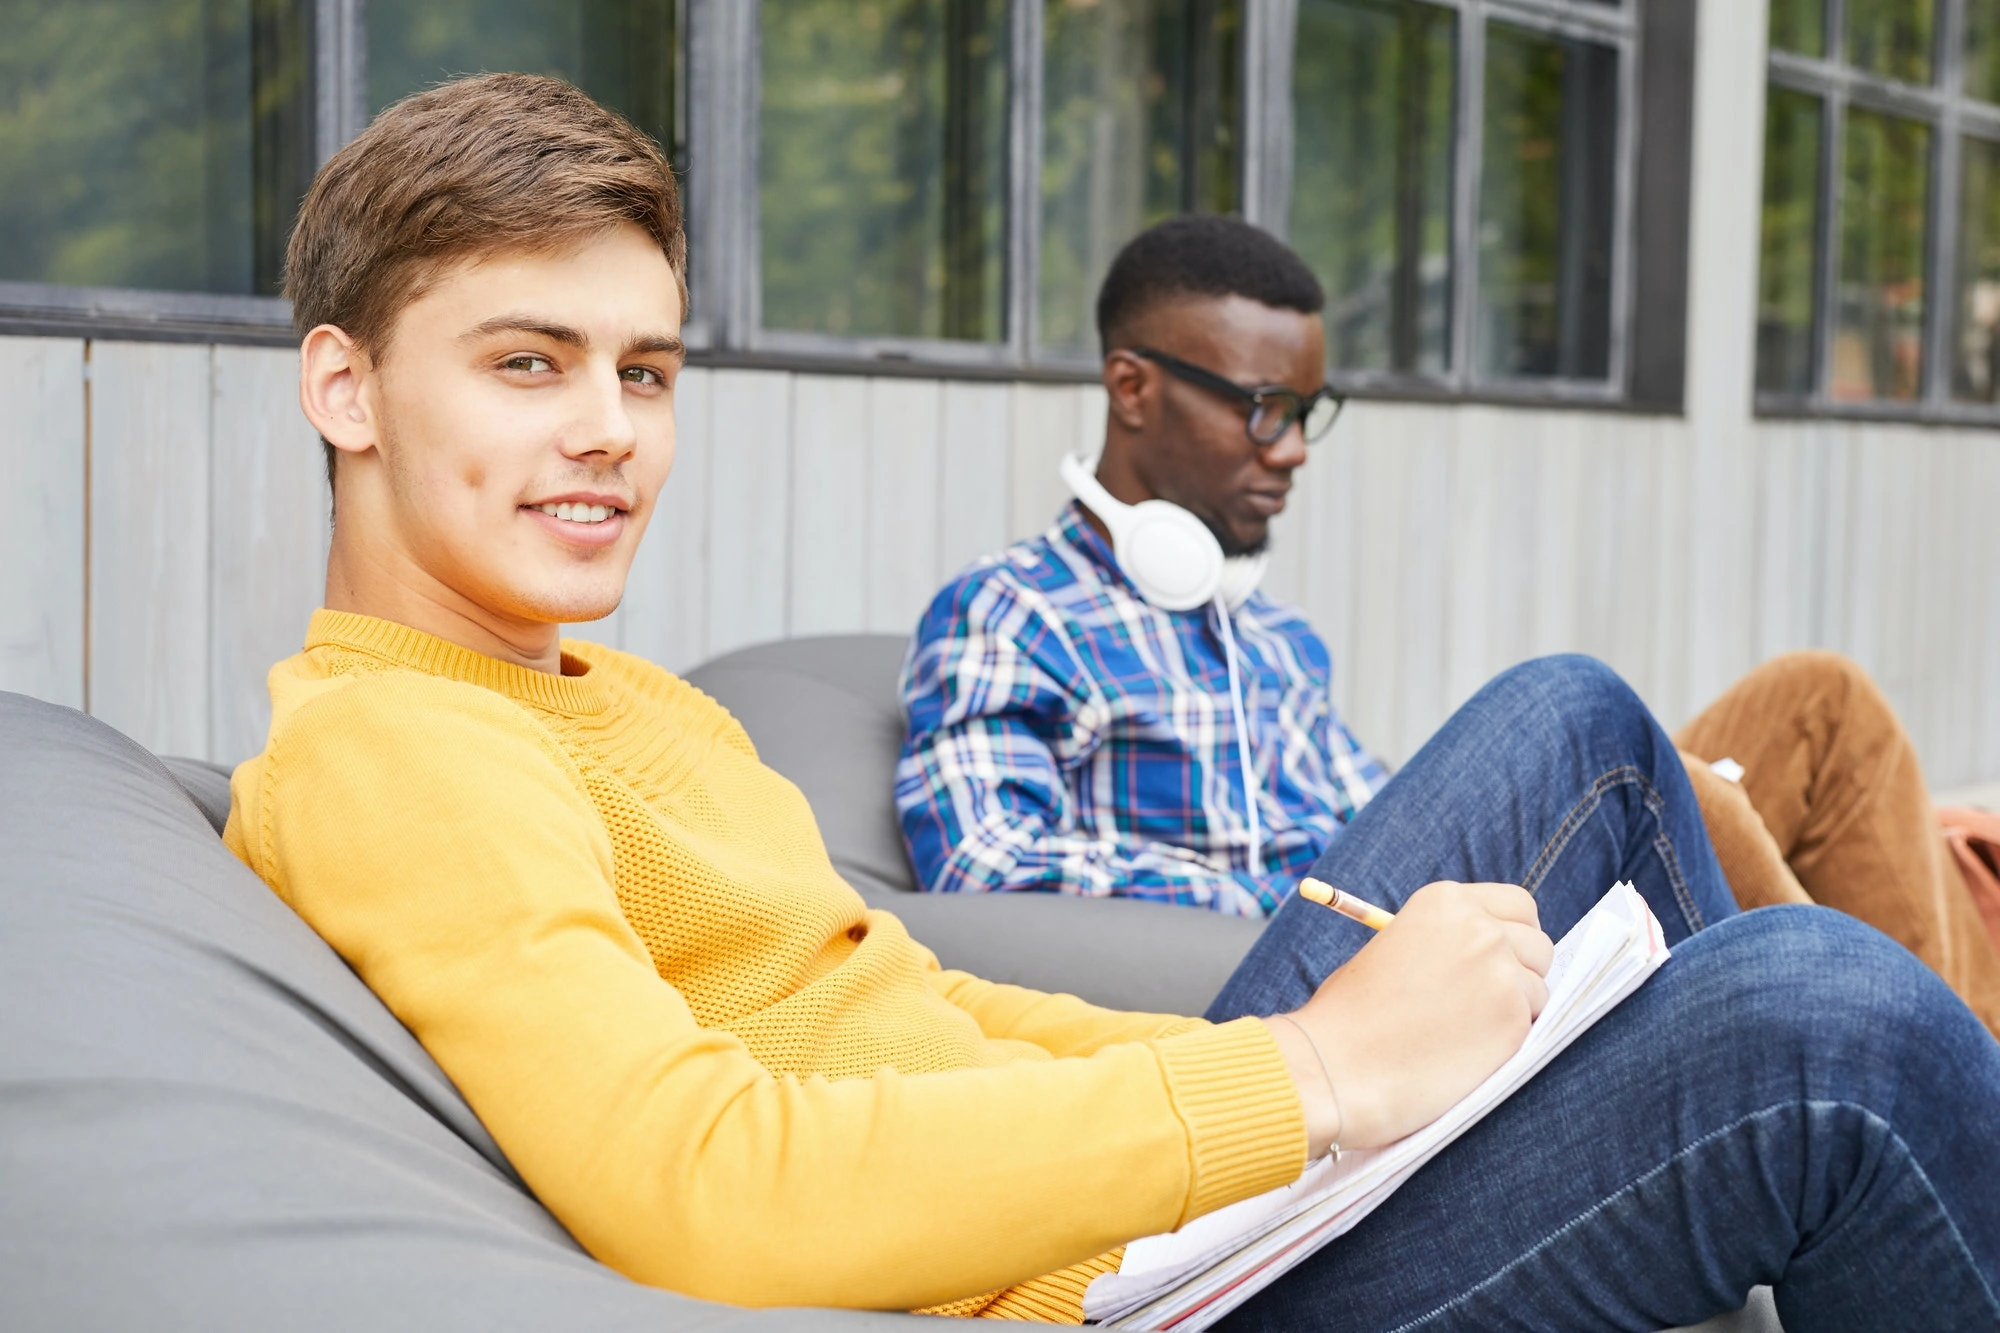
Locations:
(1941, 249)
(340, 74)
(1024, 194)
(1833, 136)
(1466, 169)
(1266, 133)
(1623, 223)
(746, 232)
(721, 202)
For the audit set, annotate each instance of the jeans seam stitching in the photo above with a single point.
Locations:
(1965, 1252)
(1662, 845)
(1571, 821)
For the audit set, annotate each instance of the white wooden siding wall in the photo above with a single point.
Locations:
(42, 489)
(1432, 546)
(1436, 546)
(164, 534)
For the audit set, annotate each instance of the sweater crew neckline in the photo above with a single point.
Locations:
(582, 692)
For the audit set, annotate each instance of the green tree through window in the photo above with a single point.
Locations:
(882, 167)
(1372, 94)
(1788, 280)
(1546, 202)
(152, 143)
(1140, 122)
(622, 52)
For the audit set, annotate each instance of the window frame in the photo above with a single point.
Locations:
(1950, 116)
(719, 49)
(1616, 25)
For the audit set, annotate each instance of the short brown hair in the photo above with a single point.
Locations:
(477, 166)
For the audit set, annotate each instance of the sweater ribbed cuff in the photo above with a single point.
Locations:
(1184, 1025)
(1246, 1126)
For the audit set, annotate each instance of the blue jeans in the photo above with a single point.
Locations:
(1791, 1100)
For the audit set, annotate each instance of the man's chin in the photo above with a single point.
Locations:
(1244, 540)
(585, 617)
(1240, 544)
(567, 604)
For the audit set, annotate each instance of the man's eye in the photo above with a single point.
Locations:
(532, 365)
(641, 375)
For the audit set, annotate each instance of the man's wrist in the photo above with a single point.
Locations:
(1316, 1099)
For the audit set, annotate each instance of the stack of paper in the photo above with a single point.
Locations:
(1191, 1278)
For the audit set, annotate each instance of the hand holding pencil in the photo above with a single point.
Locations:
(1419, 1014)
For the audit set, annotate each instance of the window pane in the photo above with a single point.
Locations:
(1799, 25)
(1982, 49)
(1787, 286)
(152, 143)
(1891, 37)
(1975, 369)
(1371, 177)
(621, 52)
(1139, 123)
(1878, 334)
(1546, 201)
(883, 167)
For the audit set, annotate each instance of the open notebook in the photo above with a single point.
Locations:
(1191, 1278)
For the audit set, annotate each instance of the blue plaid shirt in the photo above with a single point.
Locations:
(1064, 734)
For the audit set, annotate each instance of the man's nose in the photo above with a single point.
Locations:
(604, 423)
(1286, 452)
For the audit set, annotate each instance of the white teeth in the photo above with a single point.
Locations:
(576, 513)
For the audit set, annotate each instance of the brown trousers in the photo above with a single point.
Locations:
(1832, 809)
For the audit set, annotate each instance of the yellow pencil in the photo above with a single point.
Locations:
(1367, 913)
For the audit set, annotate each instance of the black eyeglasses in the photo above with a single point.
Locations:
(1273, 407)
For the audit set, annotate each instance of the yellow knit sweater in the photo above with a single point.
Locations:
(621, 937)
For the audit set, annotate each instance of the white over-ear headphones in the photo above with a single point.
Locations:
(1169, 554)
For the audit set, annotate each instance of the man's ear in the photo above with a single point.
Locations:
(1128, 382)
(334, 389)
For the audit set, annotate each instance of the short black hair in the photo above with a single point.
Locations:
(1202, 254)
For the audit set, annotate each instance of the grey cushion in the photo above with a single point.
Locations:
(206, 784)
(208, 1122)
(824, 713)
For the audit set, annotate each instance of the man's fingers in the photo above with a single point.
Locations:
(1537, 992)
(1509, 902)
(1535, 950)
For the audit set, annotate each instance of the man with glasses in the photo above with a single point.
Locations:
(1075, 728)
(1077, 725)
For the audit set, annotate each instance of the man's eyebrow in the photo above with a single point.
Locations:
(644, 343)
(662, 343)
(546, 328)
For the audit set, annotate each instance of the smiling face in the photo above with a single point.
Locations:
(1171, 440)
(499, 465)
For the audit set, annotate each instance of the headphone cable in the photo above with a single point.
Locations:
(1242, 736)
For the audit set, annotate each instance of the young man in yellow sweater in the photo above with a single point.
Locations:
(620, 935)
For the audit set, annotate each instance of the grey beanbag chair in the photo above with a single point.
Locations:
(208, 1122)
